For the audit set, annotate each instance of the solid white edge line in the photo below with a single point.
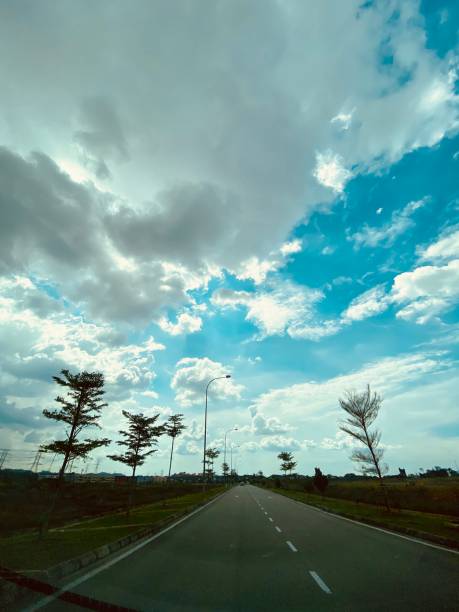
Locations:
(71, 585)
(392, 533)
(291, 546)
(320, 582)
(278, 529)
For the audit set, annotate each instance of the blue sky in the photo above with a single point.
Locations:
(285, 212)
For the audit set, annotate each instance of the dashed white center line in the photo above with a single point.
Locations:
(278, 529)
(320, 582)
(271, 519)
(292, 548)
(266, 513)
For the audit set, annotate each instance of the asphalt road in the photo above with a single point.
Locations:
(255, 550)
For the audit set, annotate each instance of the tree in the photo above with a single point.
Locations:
(287, 462)
(79, 410)
(320, 480)
(225, 469)
(141, 434)
(211, 454)
(363, 409)
(174, 428)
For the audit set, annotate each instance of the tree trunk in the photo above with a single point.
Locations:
(44, 525)
(131, 491)
(170, 462)
(378, 471)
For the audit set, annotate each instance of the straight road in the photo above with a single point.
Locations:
(252, 549)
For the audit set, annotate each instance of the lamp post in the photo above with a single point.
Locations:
(205, 432)
(224, 454)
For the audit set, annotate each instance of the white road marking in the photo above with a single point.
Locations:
(278, 529)
(290, 545)
(266, 513)
(392, 533)
(270, 519)
(71, 585)
(320, 582)
(237, 496)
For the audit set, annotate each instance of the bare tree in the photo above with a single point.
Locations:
(174, 428)
(363, 409)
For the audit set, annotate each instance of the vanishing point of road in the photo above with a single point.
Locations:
(251, 549)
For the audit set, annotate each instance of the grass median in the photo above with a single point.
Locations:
(25, 552)
(425, 525)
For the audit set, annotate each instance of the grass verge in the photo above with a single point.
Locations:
(25, 552)
(434, 527)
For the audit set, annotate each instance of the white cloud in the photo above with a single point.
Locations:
(387, 234)
(379, 210)
(192, 375)
(447, 247)
(233, 175)
(262, 425)
(328, 250)
(64, 339)
(280, 443)
(368, 304)
(304, 401)
(257, 270)
(429, 290)
(343, 120)
(150, 394)
(282, 307)
(183, 447)
(331, 172)
(338, 442)
(186, 324)
(315, 331)
(288, 248)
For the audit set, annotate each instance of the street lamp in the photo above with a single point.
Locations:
(224, 455)
(205, 430)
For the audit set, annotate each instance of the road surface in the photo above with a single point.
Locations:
(252, 549)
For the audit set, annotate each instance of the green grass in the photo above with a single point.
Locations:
(424, 523)
(24, 502)
(26, 552)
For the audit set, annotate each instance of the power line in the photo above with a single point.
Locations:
(36, 462)
(3, 456)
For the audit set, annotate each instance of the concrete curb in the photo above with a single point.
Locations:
(421, 535)
(11, 592)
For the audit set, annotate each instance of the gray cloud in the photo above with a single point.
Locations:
(103, 137)
(13, 417)
(223, 123)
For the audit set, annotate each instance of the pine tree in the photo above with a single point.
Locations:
(174, 428)
(79, 410)
(141, 434)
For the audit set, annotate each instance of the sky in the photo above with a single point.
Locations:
(265, 189)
